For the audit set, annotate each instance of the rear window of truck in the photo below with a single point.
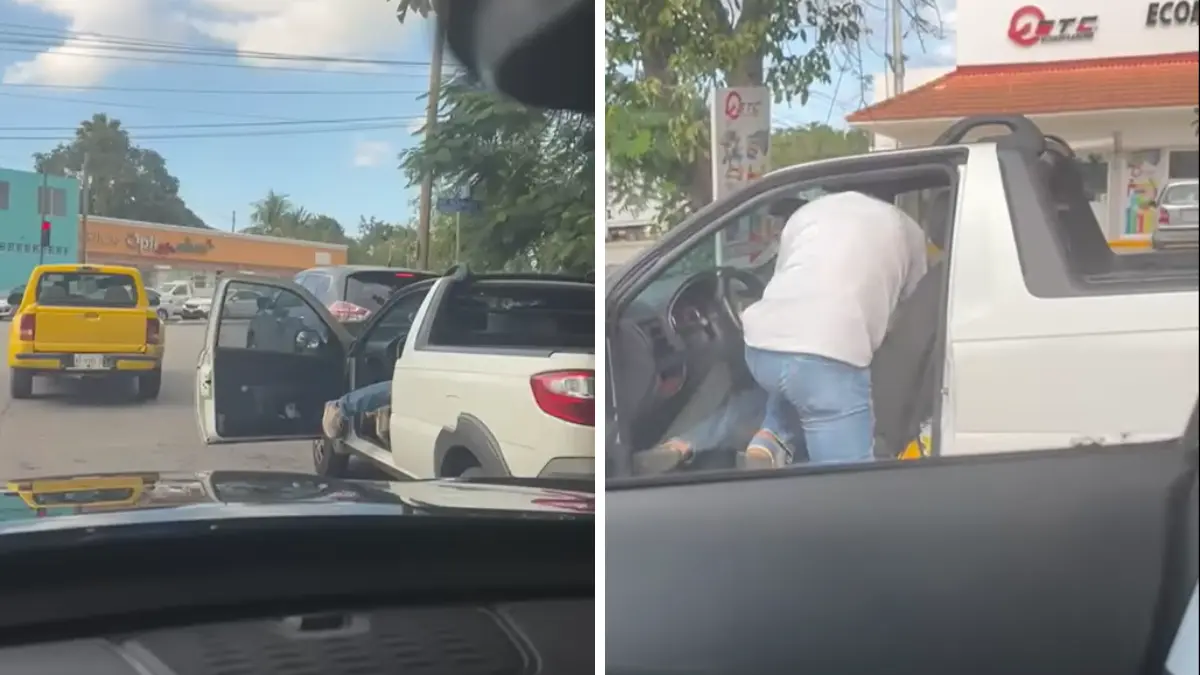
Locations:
(539, 315)
(86, 289)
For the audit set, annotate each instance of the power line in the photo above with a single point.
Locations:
(224, 92)
(228, 125)
(243, 134)
(209, 64)
(139, 106)
(53, 38)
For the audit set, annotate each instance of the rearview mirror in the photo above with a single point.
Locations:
(539, 53)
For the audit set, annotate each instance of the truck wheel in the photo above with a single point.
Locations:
(149, 384)
(20, 384)
(327, 462)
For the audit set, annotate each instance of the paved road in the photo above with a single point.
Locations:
(69, 428)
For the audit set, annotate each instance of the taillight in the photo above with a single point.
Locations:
(1163, 217)
(568, 395)
(153, 331)
(348, 311)
(28, 327)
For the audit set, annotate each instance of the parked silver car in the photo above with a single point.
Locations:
(1178, 214)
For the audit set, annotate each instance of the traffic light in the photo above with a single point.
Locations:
(45, 234)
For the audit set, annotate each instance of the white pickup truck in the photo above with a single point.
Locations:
(1028, 332)
(491, 375)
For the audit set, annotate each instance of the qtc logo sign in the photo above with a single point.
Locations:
(1029, 26)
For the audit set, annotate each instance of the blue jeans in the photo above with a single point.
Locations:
(366, 399)
(815, 403)
(737, 418)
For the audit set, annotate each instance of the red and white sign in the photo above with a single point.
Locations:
(1029, 26)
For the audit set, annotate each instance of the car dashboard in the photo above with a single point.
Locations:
(278, 590)
(521, 637)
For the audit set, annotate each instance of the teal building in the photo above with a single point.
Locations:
(23, 194)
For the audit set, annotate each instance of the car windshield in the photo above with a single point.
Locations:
(194, 312)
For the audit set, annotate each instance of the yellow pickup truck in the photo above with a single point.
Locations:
(93, 321)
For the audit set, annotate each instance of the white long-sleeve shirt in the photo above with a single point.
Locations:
(845, 261)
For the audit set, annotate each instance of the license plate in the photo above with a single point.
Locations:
(89, 361)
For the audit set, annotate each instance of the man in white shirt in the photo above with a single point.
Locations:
(845, 261)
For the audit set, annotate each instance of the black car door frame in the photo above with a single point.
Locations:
(354, 351)
(627, 283)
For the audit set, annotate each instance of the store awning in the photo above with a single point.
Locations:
(1161, 81)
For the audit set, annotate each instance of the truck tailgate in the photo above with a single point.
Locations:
(90, 329)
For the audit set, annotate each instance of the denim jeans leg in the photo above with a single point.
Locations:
(771, 370)
(366, 399)
(834, 403)
(741, 408)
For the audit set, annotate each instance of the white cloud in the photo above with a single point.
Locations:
(307, 27)
(415, 125)
(62, 65)
(369, 153)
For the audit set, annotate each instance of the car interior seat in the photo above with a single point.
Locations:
(902, 370)
(117, 295)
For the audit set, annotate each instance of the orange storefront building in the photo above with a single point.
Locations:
(170, 253)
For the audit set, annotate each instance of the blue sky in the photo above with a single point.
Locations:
(832, 102)
(344, 174)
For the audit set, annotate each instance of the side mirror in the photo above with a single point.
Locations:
(263, 303)
(307, 341)
(15, 299)
(154, 301)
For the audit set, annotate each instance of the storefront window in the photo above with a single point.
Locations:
(1184, 164)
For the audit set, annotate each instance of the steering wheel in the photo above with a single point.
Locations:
(726, 276)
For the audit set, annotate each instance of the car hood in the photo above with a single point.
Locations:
(96, 500)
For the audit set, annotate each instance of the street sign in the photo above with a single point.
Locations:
(741, 147)
(458, 205)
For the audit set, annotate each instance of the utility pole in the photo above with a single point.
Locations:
(425, 205)
(233, 222)
(43, 206)
(85, 206)
(897, 48)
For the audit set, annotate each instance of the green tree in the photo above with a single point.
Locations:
(532, 171)
(665, 57)
(815, 141)
(127, 181)
(277, 216)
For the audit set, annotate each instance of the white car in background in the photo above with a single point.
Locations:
(195, 308)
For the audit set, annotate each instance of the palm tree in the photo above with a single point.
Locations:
(271, 215)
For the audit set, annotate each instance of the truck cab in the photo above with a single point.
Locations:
(1023, 334)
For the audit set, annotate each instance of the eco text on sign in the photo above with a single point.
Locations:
(1173, 14)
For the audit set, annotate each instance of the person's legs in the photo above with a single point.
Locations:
(741, 406)
(336, 420)
(775, 442)
(833, 400)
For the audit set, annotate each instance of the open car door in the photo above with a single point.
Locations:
(266, 375)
